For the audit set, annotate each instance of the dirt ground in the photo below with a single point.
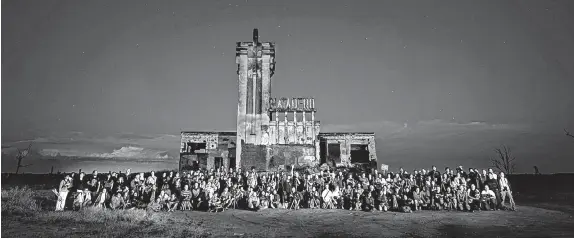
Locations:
(526, 222)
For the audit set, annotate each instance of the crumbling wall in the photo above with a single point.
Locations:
(299, 155)
(346, 140)
(253, 156)
(218, 144)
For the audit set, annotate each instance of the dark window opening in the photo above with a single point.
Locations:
(359, 153)
(323, 151)
(194, 147)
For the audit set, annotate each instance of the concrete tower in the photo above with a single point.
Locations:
(256, 65)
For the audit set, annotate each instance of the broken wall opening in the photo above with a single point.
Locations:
(334, 153)
(360, 153)
(196, 147)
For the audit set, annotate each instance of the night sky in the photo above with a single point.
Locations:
(440, 82)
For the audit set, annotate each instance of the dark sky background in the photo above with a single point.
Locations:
(440, 82)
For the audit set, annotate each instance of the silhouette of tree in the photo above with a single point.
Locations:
(504, 161)
(568, 133)
(21, 155)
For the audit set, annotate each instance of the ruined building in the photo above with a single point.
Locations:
(272, 132)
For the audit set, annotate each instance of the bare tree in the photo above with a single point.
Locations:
(568, 133)
(504, 161)
(21, 155)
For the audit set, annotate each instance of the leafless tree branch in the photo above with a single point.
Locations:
(568, 133)
(504, 161)
(21, 155)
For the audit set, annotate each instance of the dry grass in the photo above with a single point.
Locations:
(29, 213)
(19, 200)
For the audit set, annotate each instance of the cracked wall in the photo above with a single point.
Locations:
(345, 141)
(219, 150)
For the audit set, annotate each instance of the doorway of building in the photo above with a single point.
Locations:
(333, 154)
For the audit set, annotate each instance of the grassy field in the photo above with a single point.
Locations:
(28, 213)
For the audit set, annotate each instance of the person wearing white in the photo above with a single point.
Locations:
(488, 198)
(505, 191)
(62, 192)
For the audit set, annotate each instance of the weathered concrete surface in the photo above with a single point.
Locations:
(254, 156)
(256, 66)
(217, 145)
(298, 155)
(346, 140)
(289, 132)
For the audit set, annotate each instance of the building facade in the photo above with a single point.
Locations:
(272, 132)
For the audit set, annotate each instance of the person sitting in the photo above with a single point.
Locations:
(78, 203)
(154, 206)
(418, 199)
(406, 203)
(172, 203)
(382, 201)
(449, 199)
(225, 198)
(474, 198)
(461, 200)
(275, 200)
(101, 199)
(117, 201)
(215, 203)
(347, 197)
(337, 199)
(369, 202)
(487, 199)
(437, 199)
(264, 201)
(186, 199)
(327, 197)
(196, 196)
(294, 199)
(163, 198)
(356, 202)
(252, 199)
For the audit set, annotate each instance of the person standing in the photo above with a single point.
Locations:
(62, 192)
(505, 191)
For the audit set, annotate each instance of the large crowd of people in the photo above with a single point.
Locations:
(221, 189)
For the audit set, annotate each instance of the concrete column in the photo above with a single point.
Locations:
(304, 112)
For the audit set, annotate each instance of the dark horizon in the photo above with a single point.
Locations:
(439, 82)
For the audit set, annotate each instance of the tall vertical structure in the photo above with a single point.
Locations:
(256, 65)
(272, 133)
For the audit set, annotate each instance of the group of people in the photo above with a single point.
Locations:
(221, 189)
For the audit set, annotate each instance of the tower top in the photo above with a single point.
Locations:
(255, 35)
